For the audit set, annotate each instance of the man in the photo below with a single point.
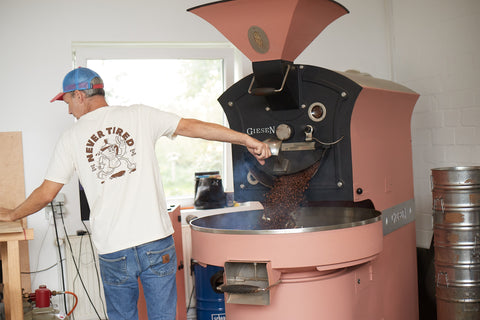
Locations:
(112, 150)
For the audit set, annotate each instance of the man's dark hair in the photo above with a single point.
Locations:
(94, 92)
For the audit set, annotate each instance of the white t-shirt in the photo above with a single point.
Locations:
(112, 149)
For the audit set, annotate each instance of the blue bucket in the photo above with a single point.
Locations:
(210, 304)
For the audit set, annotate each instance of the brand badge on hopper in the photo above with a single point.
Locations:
(110, 153)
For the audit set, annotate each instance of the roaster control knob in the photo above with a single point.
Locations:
(308, 133)
(283, 132)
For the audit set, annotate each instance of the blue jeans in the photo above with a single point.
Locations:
(155, 263)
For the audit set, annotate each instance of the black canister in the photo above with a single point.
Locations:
(209, 193)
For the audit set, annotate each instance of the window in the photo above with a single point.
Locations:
(185, 80)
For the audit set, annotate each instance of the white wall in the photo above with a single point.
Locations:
(36, 40)
(437, 54)
(358, 40)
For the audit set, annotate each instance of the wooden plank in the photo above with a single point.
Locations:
(26, 234)
(9, 227)
(12, 193)
(12, 183)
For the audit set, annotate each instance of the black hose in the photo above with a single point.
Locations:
(60, 256)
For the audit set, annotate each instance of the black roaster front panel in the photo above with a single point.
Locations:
(259, 116)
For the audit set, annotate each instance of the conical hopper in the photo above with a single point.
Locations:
(270, 29)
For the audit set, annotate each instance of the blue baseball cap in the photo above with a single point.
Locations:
(78, 79)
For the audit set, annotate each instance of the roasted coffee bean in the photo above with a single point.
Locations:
(286, 195)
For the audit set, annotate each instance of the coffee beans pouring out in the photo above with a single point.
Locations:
(286, 195)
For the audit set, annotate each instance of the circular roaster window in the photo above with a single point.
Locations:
(317, 111)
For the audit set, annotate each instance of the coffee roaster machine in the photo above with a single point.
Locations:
(352, 252)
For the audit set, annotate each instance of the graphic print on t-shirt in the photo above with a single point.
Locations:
(110, 153)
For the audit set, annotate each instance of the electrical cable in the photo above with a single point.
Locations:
(190, 300)
(40, 250)
(79, 259)
(59, 252)
(38, 271)
(78, 270)
(192, 262)
(96, 268)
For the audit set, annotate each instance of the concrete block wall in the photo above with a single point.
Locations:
(436, 52)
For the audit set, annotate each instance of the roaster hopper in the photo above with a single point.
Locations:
(356, 256)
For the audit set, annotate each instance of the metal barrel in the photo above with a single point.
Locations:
(456, 214)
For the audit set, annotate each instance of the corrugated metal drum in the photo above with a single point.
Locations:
(456, 206)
